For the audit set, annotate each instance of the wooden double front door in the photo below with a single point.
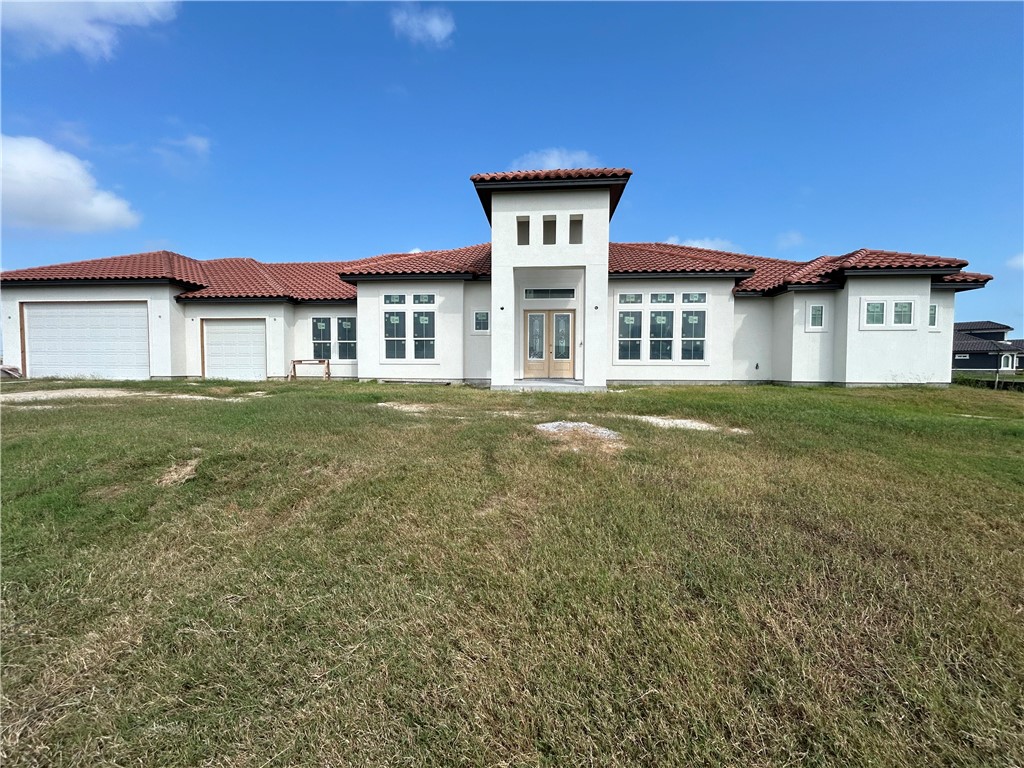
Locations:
(549, 343)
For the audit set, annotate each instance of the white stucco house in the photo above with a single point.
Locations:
(549, 301)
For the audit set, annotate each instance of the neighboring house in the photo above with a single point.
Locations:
(981, 345)
(549, 300)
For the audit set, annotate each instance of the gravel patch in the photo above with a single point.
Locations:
(405, 407)
(701, 426)
(580, 427)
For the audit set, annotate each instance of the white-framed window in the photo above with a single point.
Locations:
(933, 317)
(630, 334)
(410, 334)
(647, 323)
(661, 334)
(903, 313)
(815, 318)
(322, 338)
(961, 357)
(1006, 362)
(346, 338)
(481, 321)
(549, 293)
(694, 327)
(888, 313)
(874, 313)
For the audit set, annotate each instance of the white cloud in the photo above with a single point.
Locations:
(554, 158)
(180, 156)
(710, 243)
(790, 239)
(45, 188)
(92, 29)
(1017, 262)
(433, 26)
(415, 250)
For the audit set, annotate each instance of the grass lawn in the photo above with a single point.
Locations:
(345, 584)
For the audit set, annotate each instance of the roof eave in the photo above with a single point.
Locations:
(615, 185)
(738, 276)
(410, 276)
(899, 271)
(236, 299)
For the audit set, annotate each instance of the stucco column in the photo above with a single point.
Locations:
(503, 325)
(595, 327)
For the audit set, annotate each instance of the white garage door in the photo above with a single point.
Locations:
(236, 349)
(102, 340)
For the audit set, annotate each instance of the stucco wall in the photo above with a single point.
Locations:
(813, 348)
(591, 256)
(783, 310)
(752, 339)
(301, 338)
(447, 364)
(164, 315)
(277, 316)
(896, 354)
(476, 345)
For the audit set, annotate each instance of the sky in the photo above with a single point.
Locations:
(334, 131)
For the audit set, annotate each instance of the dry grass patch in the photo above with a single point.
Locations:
(179, 473)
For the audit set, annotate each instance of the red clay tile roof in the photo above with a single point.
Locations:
(471, 260)
(155, 265)
(554, 175)
(214, 279)
(324, 281)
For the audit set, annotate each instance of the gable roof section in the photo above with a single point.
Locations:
(964, 342)
(473, 261)
(214, 279)
(612, 179)
(153, 265)
(980, 325)
(560, 174)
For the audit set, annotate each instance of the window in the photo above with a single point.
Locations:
(663, 298)
(394, 298)
(482, 322)
(903, 313)
(394, 334)
(423, 335)
(549, 230)
(631, 298)
(346, 338)
(693, 334)
(550, 293)
(629, 335)
(817, 316)
(1005, 362)
(933, 315)
(874, 313)
(661, 335)
(695, 298)
(961, 357)
(523, 230)
(423, 298)
(322, 338)
(576, 229)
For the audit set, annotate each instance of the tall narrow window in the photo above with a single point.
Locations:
(423, 335)
(549, 230)
(394, 335)
(576, 229)
(523, 230)
(346, 338)
(903, 313)
(661, 335)
(694, 334)
(322, 338)
(874, 313)
(933, 315)
(629, 335)
(482, 321)
(817, 315)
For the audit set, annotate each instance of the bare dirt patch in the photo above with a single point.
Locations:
(179, 473)
(701, 426)
(581, 436)
(406, 407)
(60, 394)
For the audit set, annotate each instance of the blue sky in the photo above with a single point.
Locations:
(309, 131)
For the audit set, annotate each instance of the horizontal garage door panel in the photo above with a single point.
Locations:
(236, 349)
(103, 340)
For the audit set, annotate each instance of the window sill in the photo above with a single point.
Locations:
(687, 363)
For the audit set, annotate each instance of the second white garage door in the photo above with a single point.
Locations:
(236, 349)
